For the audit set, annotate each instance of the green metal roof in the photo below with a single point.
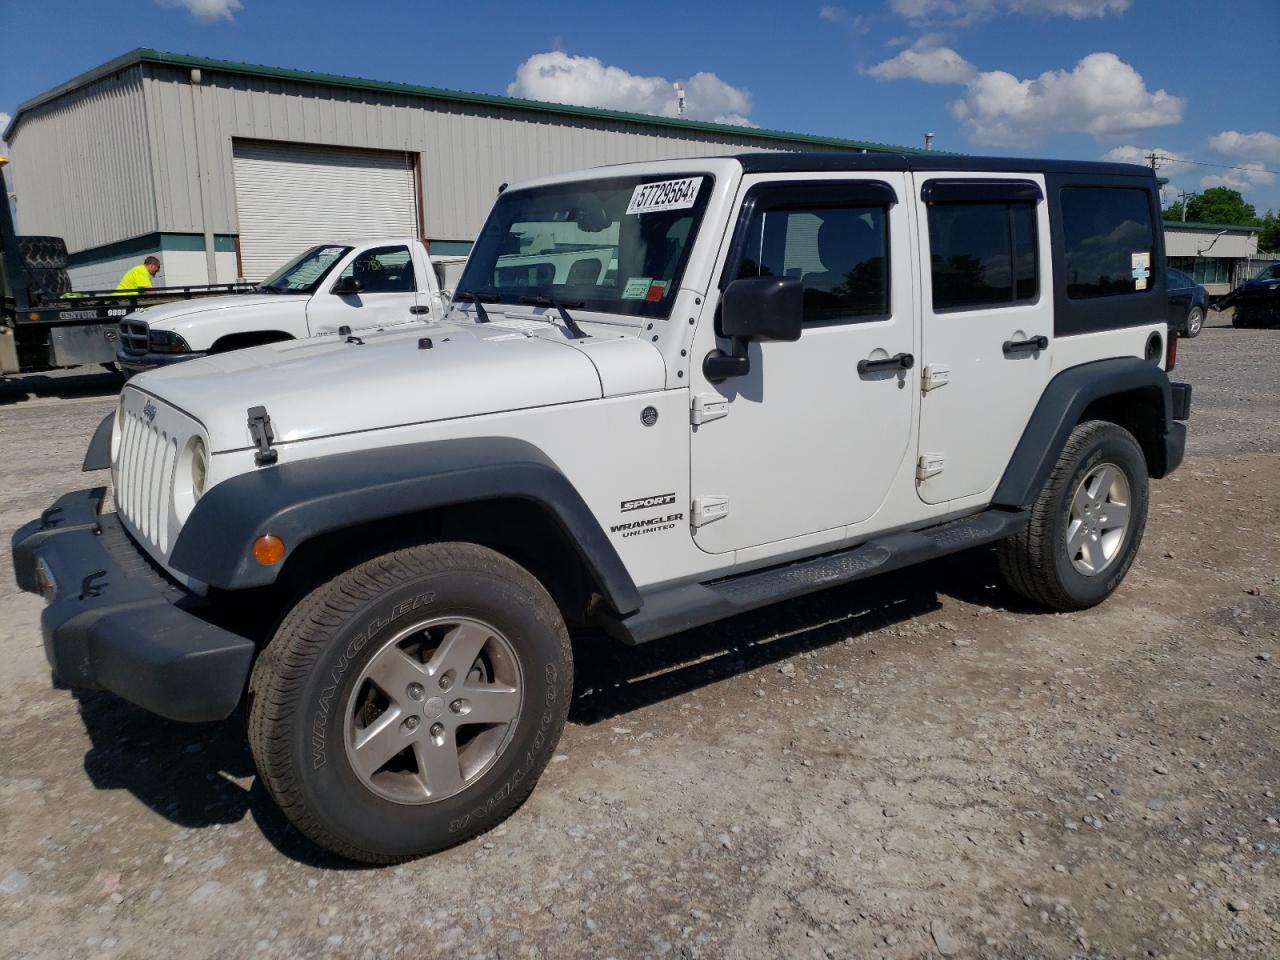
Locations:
(145, 55)
(1215, 227)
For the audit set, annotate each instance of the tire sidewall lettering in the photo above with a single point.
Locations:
(323, 712)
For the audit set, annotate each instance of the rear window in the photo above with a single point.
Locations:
(982, 254)
(1108, 241)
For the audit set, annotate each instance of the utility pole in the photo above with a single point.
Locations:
(1183, 197)
(1152, 158)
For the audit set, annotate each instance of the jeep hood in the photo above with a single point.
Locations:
(326, 386)
(172, 316)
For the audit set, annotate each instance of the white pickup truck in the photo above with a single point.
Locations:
(358, 285)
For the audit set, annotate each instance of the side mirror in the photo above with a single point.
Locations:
(763, 308)
(346, 286)
(755, 308)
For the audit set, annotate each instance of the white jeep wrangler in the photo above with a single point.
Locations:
(667, 393)
(354, 285)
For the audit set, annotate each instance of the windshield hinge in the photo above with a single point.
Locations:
(262, 434)
(708, 407)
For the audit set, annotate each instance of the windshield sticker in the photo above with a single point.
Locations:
(656, 291)
(637, 288)
(329, 252)
(1141, 263)
(667, 195)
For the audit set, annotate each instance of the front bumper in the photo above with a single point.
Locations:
(138, 362)
(115, 623)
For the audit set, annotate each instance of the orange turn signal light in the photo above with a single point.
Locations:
(268, 549)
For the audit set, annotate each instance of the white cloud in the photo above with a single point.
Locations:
(562, 78)
(207, 11)
(971, 11)
(926, 60)
(1101, 95)
(1252, 146)
(1252, 174)
(854, 22)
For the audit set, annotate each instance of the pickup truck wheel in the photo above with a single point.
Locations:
(1195, 321)
(1087, 524)
(411, 702)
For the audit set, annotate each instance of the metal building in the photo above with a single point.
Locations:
(228, 169)
(1218, 255)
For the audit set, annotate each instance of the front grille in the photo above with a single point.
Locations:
(144, 482)
(133, 336)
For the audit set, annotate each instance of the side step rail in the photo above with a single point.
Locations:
(674, 609)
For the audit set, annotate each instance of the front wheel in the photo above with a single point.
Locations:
(412, 702)
(1195, 321)
(1086, 525)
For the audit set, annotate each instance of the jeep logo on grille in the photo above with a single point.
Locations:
(149, 411)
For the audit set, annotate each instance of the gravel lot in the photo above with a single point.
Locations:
(915, 766)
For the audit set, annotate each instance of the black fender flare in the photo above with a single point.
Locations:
(97, 456)
(297, 501)
(1059, 410)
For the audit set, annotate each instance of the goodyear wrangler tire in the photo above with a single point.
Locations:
(1087, 524)
(411, 702)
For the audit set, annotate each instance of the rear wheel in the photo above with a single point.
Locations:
(1087, 524)
(412, 702)
(1195, 321)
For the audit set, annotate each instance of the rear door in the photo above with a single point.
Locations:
(389, 292)
(987, 324)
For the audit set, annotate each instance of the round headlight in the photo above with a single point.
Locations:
(199, 468)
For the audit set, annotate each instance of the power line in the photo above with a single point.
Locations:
(1204, 163)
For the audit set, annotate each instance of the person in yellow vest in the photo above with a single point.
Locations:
(139, 277)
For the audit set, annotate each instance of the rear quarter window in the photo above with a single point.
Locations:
(1106, 233)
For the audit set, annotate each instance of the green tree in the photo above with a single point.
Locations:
(1221, 205)
(1269, 235)
(1173, 211)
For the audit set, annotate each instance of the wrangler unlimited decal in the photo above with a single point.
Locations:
(650, 525)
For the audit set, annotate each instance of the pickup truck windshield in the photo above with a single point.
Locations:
(614, 246)
(304, 273)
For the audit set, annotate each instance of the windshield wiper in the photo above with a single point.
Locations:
(572, 324)
(479, 299)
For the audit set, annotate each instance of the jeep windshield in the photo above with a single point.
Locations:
(616, 245)
(304, 272)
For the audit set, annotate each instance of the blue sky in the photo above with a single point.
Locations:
(1065, 78)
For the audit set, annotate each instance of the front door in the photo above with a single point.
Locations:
(387, 293)
(806, 443)
(987, 325)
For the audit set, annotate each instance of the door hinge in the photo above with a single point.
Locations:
(708, 407)
(935, 375)
(708, 509)
(930, 465)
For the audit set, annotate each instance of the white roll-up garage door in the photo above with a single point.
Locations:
(290, 197)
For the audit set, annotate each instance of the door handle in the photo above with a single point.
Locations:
(419, 309)
(899, 361)
(1025, 346)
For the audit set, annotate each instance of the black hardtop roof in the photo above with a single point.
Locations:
(823, 162)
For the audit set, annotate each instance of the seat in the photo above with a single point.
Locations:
(844, 241)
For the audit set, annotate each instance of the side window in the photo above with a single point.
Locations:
(982, 254)
(382, 270)
(839, 254)
(1107, 239)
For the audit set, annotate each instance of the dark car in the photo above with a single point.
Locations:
(1257, 302)
(1188, 302)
